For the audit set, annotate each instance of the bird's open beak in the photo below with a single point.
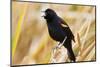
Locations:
(43, 16)
(43, 13)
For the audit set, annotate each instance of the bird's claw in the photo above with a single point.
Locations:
(57, 47)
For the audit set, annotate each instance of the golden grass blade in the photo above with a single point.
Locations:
(86, 52)
(90, 55)
(85, 36)
(83, 29)
(18, 30)
(77, 45)
(40, 49)
(78, 40)
(89, 41)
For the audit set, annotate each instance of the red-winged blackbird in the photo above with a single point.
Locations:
(58, 30)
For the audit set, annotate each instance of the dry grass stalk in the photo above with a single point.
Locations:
(56, 52)
(86, 52)
(78, 43)
(85, 36)
(90, 55)
(18, 30)
(59, 55)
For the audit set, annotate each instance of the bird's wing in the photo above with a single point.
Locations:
(67, 29)
(69, 33)
(63, 23)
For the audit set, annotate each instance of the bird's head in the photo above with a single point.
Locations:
(49, 14)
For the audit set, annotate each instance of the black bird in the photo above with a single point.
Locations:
(58, 30)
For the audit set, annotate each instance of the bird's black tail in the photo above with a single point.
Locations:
(70, 52)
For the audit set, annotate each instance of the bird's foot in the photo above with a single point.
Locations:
(60, 44)
(57, 47)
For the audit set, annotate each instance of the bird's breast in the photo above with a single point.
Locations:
(56, 32)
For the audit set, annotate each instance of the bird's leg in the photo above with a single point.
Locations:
(58, 46)
(64, 40)
(61, 44)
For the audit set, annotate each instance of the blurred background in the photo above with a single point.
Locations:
(31, 43)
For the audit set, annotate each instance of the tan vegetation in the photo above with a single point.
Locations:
(31, 43)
